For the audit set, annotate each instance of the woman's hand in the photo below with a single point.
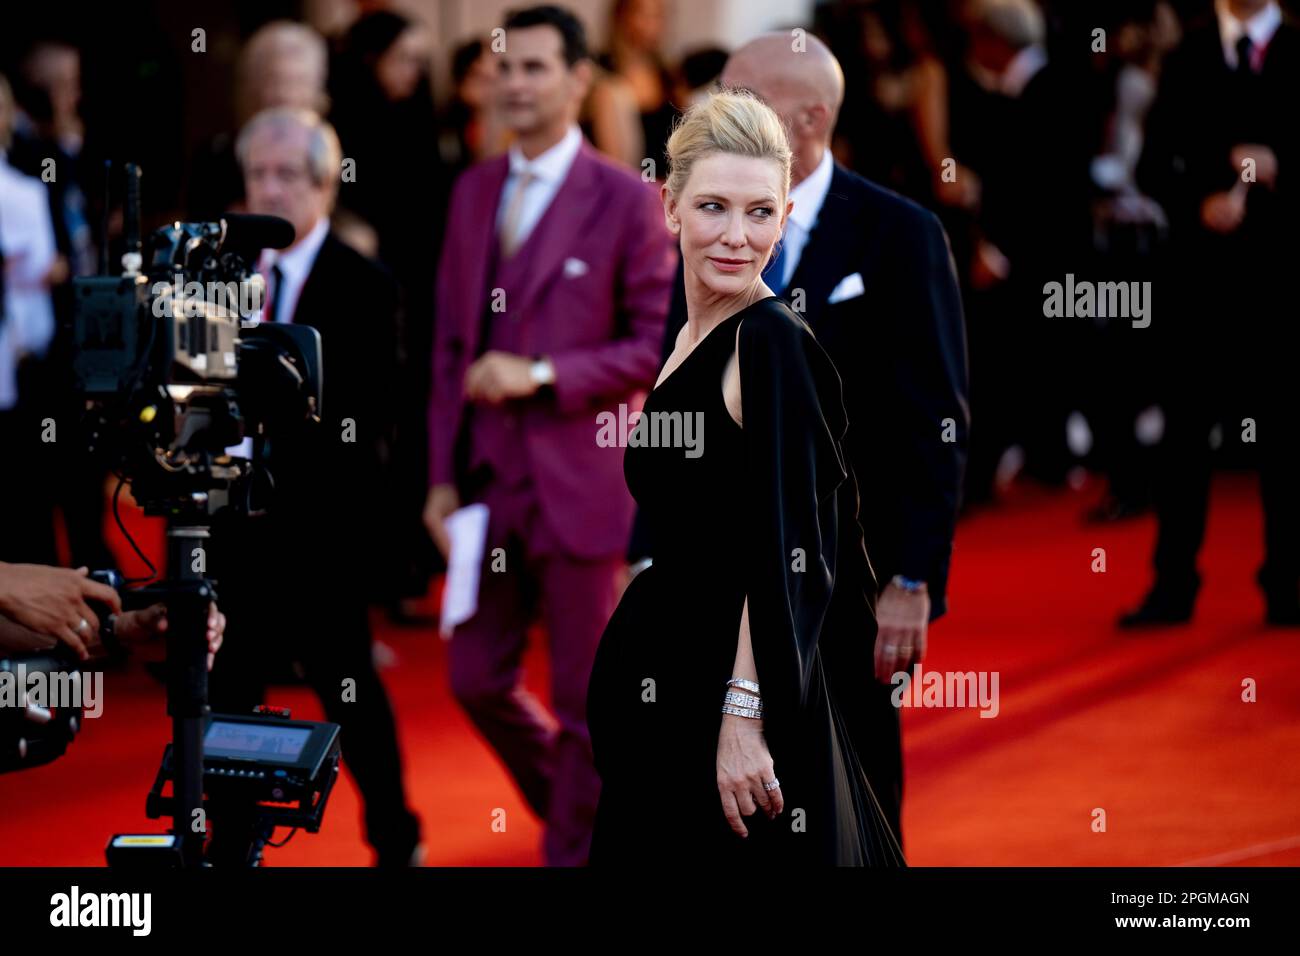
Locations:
(744, 765)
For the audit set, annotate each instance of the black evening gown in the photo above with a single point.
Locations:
(769, 511)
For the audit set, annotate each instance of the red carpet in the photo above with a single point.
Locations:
(1151, 729)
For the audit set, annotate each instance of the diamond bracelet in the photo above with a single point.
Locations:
(742, 699)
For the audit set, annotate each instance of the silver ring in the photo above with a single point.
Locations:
(772, 784)
(83, 625)
(891, 648)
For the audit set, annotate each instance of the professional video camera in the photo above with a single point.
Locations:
(174, 374)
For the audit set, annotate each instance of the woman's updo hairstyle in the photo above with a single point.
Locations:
(735, 122)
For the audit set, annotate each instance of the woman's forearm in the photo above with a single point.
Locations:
(744, 666)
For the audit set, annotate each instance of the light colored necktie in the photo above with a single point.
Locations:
(514, 213)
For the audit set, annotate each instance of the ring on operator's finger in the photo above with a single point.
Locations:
(772, 784)
(83, 625)
(891, 648)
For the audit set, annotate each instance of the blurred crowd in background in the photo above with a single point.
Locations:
(1008, 118)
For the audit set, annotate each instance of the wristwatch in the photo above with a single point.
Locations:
(907, 585)
(542, 372)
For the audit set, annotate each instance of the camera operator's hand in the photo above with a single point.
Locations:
(152, 622)
(442, 501)
(52, 601)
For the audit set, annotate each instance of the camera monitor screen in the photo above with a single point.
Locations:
(254, 741)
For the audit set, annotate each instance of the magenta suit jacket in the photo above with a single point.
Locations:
(602, 326)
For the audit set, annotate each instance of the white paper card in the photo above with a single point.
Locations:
(467, 527)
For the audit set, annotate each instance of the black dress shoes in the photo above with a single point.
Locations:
(1159, 609)
(1283, 611)
(1281, 598)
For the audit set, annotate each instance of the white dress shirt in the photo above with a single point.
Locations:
(548, 170)
(809, 197)
(1260, 28)
(295, 266)
(27, 239)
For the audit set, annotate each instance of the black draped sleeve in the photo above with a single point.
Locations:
(793, 418)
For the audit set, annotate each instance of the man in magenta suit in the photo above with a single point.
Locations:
(552, 294)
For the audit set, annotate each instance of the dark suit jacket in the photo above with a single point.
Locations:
(329, 480)
(1201, 112)
(355, 305)
(1230, 311)
(900, 349)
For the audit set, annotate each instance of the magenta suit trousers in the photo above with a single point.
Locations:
(549, 756)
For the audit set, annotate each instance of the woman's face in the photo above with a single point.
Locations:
(642, 23)
(728, 217)
(476, 88)
(399, 68)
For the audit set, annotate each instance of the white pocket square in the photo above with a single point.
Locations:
(574, 268)
(850, 287)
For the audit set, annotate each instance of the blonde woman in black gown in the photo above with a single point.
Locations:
(712, 721)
